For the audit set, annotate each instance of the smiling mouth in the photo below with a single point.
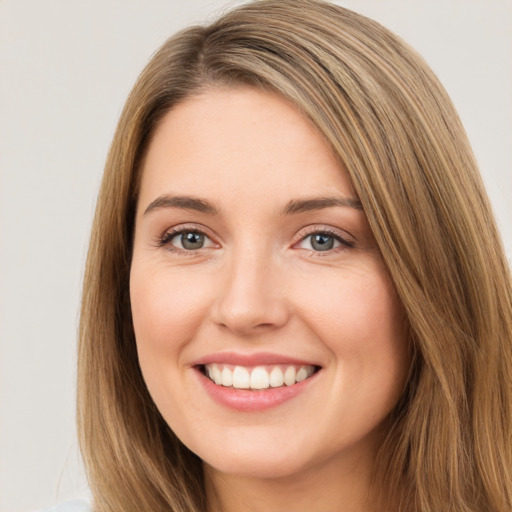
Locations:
(257, 378)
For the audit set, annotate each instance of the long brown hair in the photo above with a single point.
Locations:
(393, 127)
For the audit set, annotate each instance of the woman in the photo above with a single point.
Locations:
(295, 294)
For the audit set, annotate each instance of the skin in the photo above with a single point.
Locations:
(259, 285)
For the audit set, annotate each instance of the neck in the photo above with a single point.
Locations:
(331, 487)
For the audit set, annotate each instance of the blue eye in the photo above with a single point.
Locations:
(186, 240)
(190, 240)
(321, 241)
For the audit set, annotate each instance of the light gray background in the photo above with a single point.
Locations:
(66, 67)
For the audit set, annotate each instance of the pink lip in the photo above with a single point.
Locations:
(251, 401)
(258, 359)
(247, 400)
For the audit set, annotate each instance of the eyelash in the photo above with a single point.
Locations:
(345, 244)
(165, 240)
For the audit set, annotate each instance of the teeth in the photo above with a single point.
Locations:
(276, 377)
(259, 377)
(241, 378)
(217, 376)
(301, 375)
(227, 377)
(289, 376)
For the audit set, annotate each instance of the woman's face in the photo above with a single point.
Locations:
(268, 331)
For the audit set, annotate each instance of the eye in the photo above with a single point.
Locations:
(186, 240)
(324, 241)
(189, 240)
(319, 242)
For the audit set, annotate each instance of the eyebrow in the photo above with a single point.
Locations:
(293, 207)
(319, 203)
(184, 202)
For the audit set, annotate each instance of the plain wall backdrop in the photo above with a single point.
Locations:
(66, 67)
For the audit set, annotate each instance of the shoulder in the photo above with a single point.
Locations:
(70, 506)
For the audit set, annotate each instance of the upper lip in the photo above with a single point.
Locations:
(257, 359)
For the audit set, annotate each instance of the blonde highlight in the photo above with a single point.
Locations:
(394, 129)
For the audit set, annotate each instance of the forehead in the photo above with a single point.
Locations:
(245, 140)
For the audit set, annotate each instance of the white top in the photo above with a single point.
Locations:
(70, 506)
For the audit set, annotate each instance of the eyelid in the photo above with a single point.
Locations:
(164, 239)
(347, 240)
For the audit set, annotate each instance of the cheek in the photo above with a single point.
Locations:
(362, 324)
(167, 310)
(359, 318)
(352, 302)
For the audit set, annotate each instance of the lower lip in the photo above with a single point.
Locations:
(257, 400)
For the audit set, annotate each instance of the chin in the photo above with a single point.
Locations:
(262, 457)
(257, 466)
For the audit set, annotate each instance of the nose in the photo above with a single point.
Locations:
(251, 299)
